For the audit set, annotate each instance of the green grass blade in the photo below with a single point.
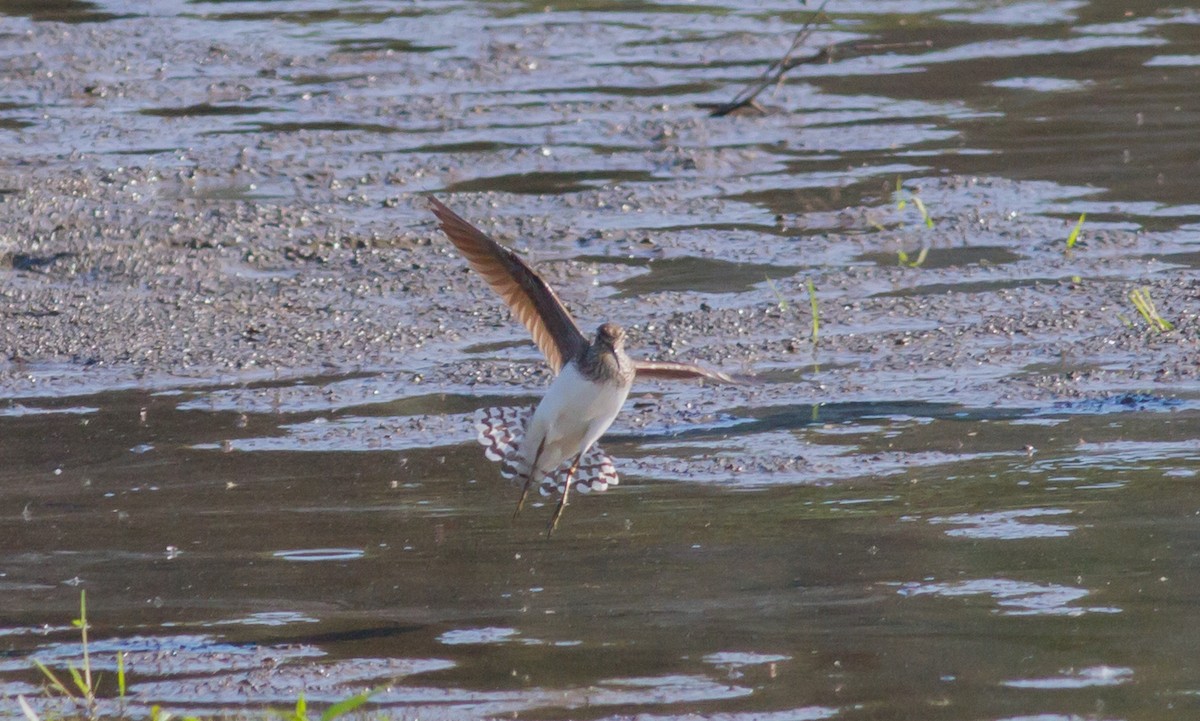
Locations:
(301, 712)
(56, 684)
(345, 706)
(783, 304)
(1140, 297)
(83, 635)
(924, 213)
(79, 682)
(1074, 236)
(816, 316)
(121, 673)
(916, 262)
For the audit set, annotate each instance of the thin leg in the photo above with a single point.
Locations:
(529, 479)
(562, 502)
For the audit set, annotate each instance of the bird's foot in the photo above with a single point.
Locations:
(562, 502)
(521, 500)
(558, 511)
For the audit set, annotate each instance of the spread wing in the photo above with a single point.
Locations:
(667, 370)
(527, 295)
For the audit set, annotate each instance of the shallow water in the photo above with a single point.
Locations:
(867, 534)
(967, 577)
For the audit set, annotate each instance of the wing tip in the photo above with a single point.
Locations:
(448, 220)
(675, 370)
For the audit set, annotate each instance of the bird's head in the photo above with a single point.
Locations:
(610, 340)
(611, 336)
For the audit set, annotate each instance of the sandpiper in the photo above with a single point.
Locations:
(557, 442)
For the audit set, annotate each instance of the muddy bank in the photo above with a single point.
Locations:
(118, 280)
(191, 235)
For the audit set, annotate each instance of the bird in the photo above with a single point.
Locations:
(555, 444)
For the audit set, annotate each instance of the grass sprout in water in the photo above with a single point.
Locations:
(1074, 236)
(816, 313)
(1140, 297)
(915, 262)
(784, 306)
(905, 196)
(84, 689)
(341, 708)
(299, 713)
(783, 303)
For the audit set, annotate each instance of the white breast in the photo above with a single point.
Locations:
(574, 413)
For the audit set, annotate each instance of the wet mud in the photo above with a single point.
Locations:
(240, 364)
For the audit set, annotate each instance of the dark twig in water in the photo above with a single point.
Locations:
(775, 71)
(746, 100)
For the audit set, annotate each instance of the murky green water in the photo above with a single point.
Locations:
(964, 581)
(910, 548)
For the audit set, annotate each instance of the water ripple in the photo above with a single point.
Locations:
(1014, 598)
(1005, 525)
(1078, 678)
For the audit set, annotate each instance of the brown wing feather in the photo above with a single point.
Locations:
(667, 370)
(532, 301)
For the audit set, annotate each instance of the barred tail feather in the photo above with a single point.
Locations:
(500, 431)
(596, 472)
